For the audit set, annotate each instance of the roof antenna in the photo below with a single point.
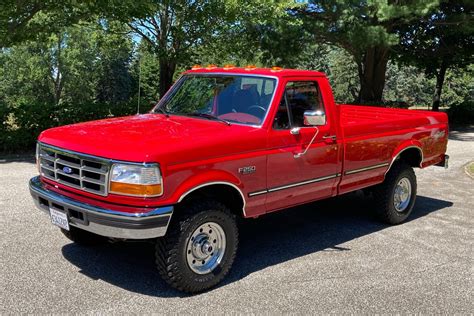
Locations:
(139, 83)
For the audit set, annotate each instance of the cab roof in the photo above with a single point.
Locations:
(274, 71)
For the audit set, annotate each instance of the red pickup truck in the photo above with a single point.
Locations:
(222, 144)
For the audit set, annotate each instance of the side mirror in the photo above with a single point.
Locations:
(314, 118)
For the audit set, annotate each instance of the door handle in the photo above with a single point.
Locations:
(329, 139)
(295, 131)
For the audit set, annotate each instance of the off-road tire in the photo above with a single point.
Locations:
(384, 194)
(171, 249)
(83, 237)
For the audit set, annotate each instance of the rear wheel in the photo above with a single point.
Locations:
(199, 248)
(395, 197)
(83, 237)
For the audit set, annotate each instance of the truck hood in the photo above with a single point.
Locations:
(154, 138)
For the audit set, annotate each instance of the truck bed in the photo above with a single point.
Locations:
(359, 120)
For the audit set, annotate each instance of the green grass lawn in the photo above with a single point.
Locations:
(470, 168)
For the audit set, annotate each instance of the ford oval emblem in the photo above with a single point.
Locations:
(67, 170)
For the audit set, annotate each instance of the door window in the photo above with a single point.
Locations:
(299, 96)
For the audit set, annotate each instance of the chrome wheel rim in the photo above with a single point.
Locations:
(402, 195)
(206, 248)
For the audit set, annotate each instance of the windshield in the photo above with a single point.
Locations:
(232, 98)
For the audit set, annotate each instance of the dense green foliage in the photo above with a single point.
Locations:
(81, 73)
(68, 61)
(440, 41)
(366, 30)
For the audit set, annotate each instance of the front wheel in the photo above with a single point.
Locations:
(395, 197)
(199, 248)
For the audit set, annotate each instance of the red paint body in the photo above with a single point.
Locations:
(193, 151)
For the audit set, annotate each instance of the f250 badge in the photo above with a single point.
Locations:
(247, 170)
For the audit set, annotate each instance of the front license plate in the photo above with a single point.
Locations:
(59, 218)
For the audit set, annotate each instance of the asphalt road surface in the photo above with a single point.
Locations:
(326, 257)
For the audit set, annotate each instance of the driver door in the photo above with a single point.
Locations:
(293, 180)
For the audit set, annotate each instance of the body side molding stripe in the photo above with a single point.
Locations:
(297, 184)
(380, 165)
(258, 193)
(292, 185)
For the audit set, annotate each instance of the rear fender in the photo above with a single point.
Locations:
(409, 144)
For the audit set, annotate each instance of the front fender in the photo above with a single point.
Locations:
(205, 178)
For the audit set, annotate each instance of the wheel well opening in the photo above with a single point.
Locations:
(411, 156)
(226, 194)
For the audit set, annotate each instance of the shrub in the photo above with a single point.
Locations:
(396, 104)
(461, 113)
(22, 124)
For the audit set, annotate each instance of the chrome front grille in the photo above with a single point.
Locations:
(72, 169)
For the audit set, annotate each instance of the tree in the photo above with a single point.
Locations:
(407, 85)
(25, 20)
(145, 70)
(114, 54)
(76, 74)
(366, 30)
(84, 63)
(444, 40)
(172, 29)
(269, 34)
(182, 31)
(245, 37)
(25, 72)
(332, 61)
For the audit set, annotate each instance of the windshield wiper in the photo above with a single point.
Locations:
(208, 116)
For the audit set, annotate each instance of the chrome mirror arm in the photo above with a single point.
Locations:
(299, 155)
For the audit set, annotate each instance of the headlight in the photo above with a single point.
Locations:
(136, 180)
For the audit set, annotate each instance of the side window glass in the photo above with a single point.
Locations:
(300, 96)
(282, 120)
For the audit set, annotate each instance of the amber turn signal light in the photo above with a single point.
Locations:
(135, 189)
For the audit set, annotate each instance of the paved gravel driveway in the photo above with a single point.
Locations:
(325, 257)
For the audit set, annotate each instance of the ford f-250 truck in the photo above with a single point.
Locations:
(222, 144)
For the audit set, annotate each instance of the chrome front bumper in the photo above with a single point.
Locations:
(102, 221)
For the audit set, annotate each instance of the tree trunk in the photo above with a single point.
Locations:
(58, 82)
(372, 68)
(439, 85)
(167, 69)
